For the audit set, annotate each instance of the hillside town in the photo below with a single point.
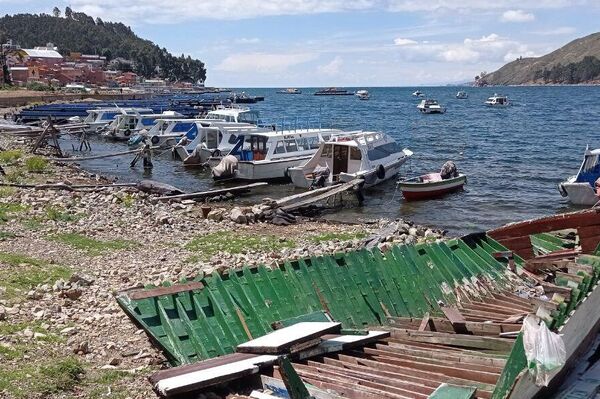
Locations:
(45, 68)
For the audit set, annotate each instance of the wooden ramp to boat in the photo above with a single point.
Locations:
(310, 197)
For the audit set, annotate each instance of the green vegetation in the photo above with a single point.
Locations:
(22, 273)
(16, 175)
(59, 214)
(8, 211)
(342, 236)
(81, 33)
(116, 379)
(41, 378)
(37, 86)
(7, 191)
(92, 246)
(233, 243)
(128, 200)
(583, 71)
(9, 156)
(4, 235)
(36, 164)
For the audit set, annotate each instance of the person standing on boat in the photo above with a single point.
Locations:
(449, 170)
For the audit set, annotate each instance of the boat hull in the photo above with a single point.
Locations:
(580, 193)
(414, 191)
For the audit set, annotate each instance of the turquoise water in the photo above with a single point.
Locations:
(513, 157)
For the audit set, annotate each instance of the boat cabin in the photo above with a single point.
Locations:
(234, 114)
(497, 100)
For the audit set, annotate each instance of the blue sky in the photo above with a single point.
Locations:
(274, 43)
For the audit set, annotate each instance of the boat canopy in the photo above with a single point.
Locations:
(590, 168)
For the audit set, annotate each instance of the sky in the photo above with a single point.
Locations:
(307, 43)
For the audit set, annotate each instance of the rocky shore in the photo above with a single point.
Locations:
(63, 255)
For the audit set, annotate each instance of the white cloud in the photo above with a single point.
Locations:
(403, 42)
(474, 5)
(262, 62)
(516, 16)
(331, 68)
(490, 48)
(247, 40)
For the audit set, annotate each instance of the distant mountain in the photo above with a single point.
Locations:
(576, 62)
(79, 32)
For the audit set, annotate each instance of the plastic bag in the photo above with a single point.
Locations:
(544, 350)
(550, 354)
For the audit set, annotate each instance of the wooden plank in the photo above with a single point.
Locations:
(468, 341)
(160, 291)
(338, 189)
(280, 341)
(210, 193)
(309, 193)
(425, 322)
(277, 386)
(195, 380)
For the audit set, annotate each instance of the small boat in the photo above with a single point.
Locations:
(333, 91)
(127, 123)
(99, 118)
(581, 188)
(362, 95)
(243, 98)
(462, 95)
(433, 185)
(374, 156)
(289, 91)
(497, 101)
(430, 107)
(418, 93)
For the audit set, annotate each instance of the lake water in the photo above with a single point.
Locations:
(513, 157)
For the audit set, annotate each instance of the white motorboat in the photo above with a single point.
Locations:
(289, 91)
(267, 155)
(462, 95)
(127, 123)
(418, 93)
(213, 139)
(497, 101)
(430, 107)
(234, 113)
(581, 188)
(373, 156)
(99, 118)
(362, 94)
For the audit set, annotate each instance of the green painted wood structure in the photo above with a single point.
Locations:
(359, 289)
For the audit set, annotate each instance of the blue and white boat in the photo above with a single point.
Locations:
(98, 118)
(581, 188)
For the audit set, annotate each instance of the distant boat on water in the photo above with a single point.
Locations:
(333, 91)
(289, 91)
(418, 93)
(497, 101)
(462, 95)
(363, 94)
(430, 107)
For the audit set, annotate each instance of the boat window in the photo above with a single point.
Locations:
(383, 151)
(355, 154)
(313, 142)
(327, 151)
(291, 146)
(248, 117)
(279, 148)
(303, 144)
(232, 139)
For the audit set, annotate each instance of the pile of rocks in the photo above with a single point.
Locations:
(266, 213)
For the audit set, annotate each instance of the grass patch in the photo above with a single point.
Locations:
(109, 377)
(45, 378)
(323, 237)
(36, 164)
(225, 241)
(128, 200)
(7, 211)
(7, 191)
(23, 272)
(9, 156)
(91, 245)
(16, 175)
(5, 235)
(59, 214)
(32, 224)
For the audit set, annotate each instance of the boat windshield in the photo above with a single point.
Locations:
(590, 170)
(383, 151)
(248, 117)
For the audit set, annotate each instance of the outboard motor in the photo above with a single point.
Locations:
(449, 170)
(226, 168)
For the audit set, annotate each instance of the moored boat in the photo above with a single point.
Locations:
(430, 106)
(462, 95)
(363, 94)
(418, 93)
(374, 156)
(289, 91)
(497, 101)
(581, 188)
(333, 91)
(128, 124)
(433, 185)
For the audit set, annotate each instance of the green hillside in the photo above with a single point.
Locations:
(79, 32)
(576, 62)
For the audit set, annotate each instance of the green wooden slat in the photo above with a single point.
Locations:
(255, 321)
(397, 268)
(410, 281)
(304, 292)
(369, 266)
(428, 287)
(199, 351)
(173, 340)
(389, 280)
(360, 281)
(214, 342)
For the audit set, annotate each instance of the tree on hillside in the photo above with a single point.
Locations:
(68, 13)
(56, 12)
